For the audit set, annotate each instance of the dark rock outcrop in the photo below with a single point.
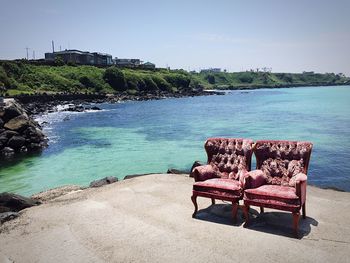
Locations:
(7, 152)
(16, 142)
(19, 133)
(8, 216)
(175, 171)
(104, 181)
(13, 203)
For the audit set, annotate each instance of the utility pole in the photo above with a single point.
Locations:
(27, 48)
(53, 47)
(33, 54)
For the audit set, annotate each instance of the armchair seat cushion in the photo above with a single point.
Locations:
(227, 188)
(273, 196)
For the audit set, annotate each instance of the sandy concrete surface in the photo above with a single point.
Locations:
(148, 219)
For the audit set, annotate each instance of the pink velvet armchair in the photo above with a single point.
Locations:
(229, 160)
(280, 179)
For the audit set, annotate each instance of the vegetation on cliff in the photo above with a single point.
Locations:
(253, 79)
(22, 77)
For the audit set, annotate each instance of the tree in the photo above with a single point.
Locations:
(115, 78)
(245, 77)
(59, 61)
(211, 79)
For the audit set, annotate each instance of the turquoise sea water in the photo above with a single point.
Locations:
(152, 136)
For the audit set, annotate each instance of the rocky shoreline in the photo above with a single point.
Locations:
(19, 132)
(44, 103)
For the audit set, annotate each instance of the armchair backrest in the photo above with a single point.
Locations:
(281, 160)
(229, 155)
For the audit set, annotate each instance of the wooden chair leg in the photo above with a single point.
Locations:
(194, 201)
(234, 212)
(304, 211)
(261, 210)
(296, 223)
(246, 215)
(213, 201)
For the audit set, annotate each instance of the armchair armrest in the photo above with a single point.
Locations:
(253, 179)
(300, 186)
(203, 172)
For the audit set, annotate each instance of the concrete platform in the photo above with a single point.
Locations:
(148, 219)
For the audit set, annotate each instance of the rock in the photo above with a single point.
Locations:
(7, 152)
(56, 192)
(104, 181)
(16, 142)
(34, 135)
(34, 147)
(95, 108)
(3, 140)
(15, 203)
(77, 108)
(23, 149)
(7, 216)
(66, 118)
(8, 134)
(18, 123)
(10, 112)
(175, 171)
(194, 165)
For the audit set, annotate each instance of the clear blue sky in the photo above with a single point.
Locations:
(288, 36)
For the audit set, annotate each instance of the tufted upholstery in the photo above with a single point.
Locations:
(229, 160)
(281, 161)
(228, 156)
(280, 179)
(218, 187)
(274, 196)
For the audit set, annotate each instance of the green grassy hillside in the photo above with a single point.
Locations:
(243, 80)
(18, 77)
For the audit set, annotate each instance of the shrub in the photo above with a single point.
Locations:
(178, 80)
(211, 79)
(150, 85)
(161, 83)
(115, 78)
(59, 61)
(245, 77)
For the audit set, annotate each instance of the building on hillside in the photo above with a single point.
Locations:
(127, 62)
(148, 65)
(72, 56)
(211, 70)
(102, 59)
(81, 57)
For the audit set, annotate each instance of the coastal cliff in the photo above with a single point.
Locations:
(19, 133)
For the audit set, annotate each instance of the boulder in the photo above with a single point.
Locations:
(15, 203)
(34, 147)
(10, 112)
(18, 123)
(104, 181)
(95, 108)
(175, 171)
(8, 134)
(16, 142)
(3, 140)
(34, 135)
(7, 152)
(6, 216)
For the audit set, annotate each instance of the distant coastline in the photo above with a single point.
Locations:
(23, 77)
